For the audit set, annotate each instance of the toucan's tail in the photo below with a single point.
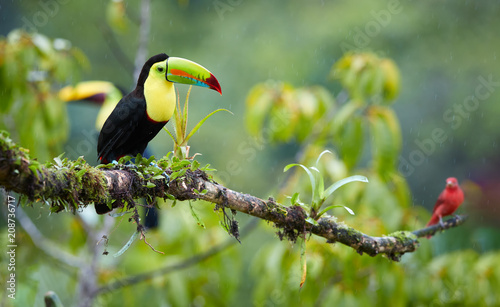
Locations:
(102, 208)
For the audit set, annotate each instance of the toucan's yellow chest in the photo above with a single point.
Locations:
(160, 98)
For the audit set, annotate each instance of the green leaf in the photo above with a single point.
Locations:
(203, 192)
(344, 115)
(177, 174)
(334, 206)
(58, 161)
(386, 139)
(195, 165)
(312, 221)
(258, 103)
(157, 177)
(80, 173)
(350, 140)
(320, 155)
(341, 182)
(126, 246)
(151, 159)
(34, 167)
(196, 217)
(150, 185)
(185, 111)
(320, 188)
(138, 159)
(124, 159)
(311, 176)
(295, 198)
(349, 210)
(119, 214)
(171, 135)
(207, 168)
(198, 125)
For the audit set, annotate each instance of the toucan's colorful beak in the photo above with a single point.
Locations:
(94, 91)
(184, 71)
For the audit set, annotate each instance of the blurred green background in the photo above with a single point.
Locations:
(446, 51)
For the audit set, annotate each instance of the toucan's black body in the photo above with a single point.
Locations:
(128, 129)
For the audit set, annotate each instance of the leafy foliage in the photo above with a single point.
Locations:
(31, 66)
(365, 117)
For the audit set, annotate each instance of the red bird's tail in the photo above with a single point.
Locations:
(434, 220)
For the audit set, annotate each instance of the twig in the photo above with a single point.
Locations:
(44, 244)
(432, 230)
(129, 281)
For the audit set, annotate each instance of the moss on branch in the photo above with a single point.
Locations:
(71, 184)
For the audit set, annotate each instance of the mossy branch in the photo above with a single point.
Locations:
(81, 185)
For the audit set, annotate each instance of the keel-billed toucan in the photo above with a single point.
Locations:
(141, 114)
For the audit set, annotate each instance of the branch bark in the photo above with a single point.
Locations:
(63, 184)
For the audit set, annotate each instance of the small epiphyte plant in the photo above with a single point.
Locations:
(319, 193)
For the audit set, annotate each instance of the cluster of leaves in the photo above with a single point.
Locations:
(464, 278)
(361, 114)
(30, 66)
(282, 112)
(78, 169)
(315, 119)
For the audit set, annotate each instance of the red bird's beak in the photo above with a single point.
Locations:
(450, 184)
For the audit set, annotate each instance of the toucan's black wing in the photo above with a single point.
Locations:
(127, 131)
(118, 129)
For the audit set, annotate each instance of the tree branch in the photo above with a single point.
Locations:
(81, 185)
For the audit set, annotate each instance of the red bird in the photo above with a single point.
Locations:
(448, 201)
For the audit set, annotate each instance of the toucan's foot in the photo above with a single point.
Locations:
(164, 174)
(129, 165)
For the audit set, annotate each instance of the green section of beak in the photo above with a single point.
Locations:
(184, 71)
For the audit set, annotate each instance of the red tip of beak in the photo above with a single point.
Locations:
(213, 83)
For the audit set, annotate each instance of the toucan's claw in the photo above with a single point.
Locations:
(164, 174)
(167, 179)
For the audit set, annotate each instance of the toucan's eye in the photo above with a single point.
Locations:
(160, 68)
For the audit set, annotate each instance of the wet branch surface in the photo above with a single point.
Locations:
(98, 185)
